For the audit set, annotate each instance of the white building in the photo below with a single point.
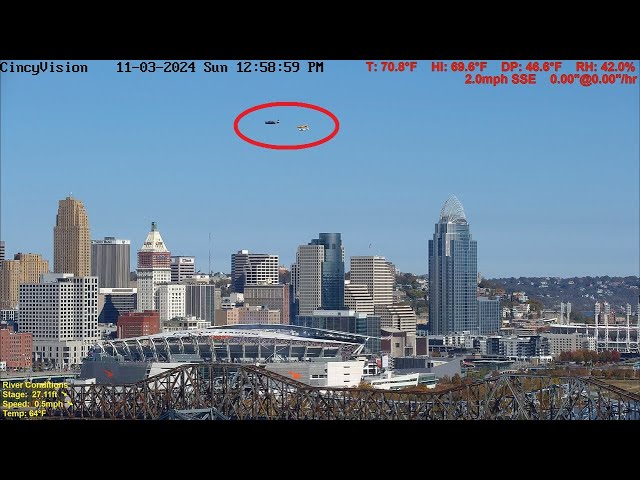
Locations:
(171, 301)
(61, 312)
(154, 268)
(390, 381)
(8, 314)
(321, 373)
(458, 340)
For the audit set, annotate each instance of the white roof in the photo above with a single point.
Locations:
(154, 242)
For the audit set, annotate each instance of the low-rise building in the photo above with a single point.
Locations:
(247, 314)
(138, 324)
(321, 373)
(179, 324)
(391, 381)
(15, 348)
(345, 321)
(569, 342)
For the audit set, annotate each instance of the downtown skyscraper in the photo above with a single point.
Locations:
(319, 274)
(453, 269)
(72, 239)
(110, 262)
(249, 269)
(154, 268)
(377, 274)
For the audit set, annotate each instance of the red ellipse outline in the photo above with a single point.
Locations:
(286, 104)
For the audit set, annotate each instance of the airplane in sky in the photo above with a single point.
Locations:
(301, 128)
(272, 122)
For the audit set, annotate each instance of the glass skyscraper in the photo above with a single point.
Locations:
(453, 270)
(332, 270)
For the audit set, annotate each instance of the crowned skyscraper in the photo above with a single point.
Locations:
(154, 268)
(453, 273)
(72, 239)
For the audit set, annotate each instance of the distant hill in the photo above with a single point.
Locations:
(582, 292)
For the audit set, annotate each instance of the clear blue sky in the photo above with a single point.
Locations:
(548, 174)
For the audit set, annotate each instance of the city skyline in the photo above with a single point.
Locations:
(522, 159)
(283, 263)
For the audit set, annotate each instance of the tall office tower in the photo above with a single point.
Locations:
(1, 250)
(294, 292)
(154, 268)
(273, 297)
(488, 316)
(308, 278)
(171, 301)
(201, 300)
(318, 275)
(182, 267)
(332, 270)
(253, 269)
(72, 239)
(24, 268)
(358, 298)
(110, 262)
(377, 274)
(61, 311)
(453, 273)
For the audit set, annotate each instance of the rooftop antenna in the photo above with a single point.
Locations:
(210, 254)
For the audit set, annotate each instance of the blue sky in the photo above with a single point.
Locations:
(548, 174)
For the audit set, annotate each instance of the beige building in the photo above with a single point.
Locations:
(569, 342)
(247, 314)
(377, 274)
(274, 297)
(24, 268)
(397, 316)
(72, 239)
(358, 298)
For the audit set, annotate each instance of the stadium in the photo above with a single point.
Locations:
(132, 359)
